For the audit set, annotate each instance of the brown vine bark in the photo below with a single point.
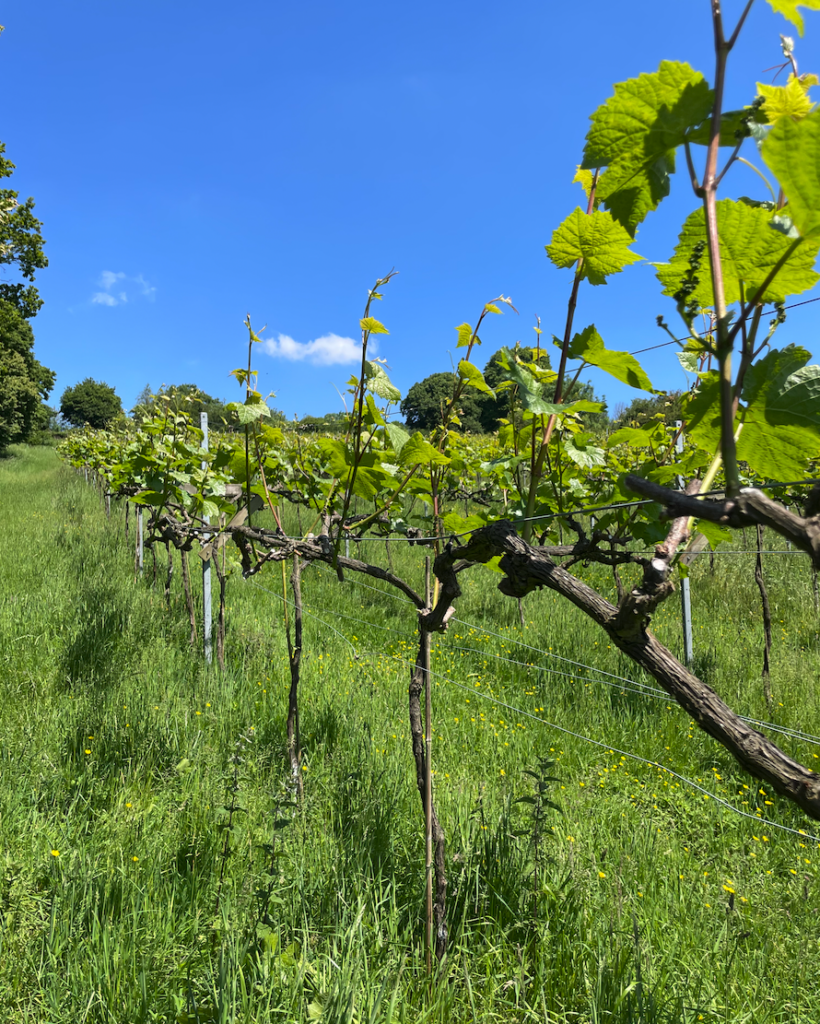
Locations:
(295, 659)
(189, 597)
(418, 680)
(767, 617)
(526, 568)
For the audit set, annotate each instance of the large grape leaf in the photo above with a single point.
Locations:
(788, 8)
(780, 415)
(598, 239)
(418, 451)
(790, 100)
(370, 479)
(472, 376)
(377, 381)
(589, 346)
(792, 153)
(635, 135)
(749, 249)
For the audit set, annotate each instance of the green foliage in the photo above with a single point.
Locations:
(634, 135)
(21, 245)
(589, 347)
(641, 410)
(24, 382)
(792, 152)
(597, 239)
(187, 398)
(330, 423)
(780, 414)
(790, 10)
(749, 250)
(423, 406)
(92, 402)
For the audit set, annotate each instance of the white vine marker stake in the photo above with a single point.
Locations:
(685, 596)
(206, 566)
(140, 551)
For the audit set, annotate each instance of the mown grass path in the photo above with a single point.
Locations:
(118, 754)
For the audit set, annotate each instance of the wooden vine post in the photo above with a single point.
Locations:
(435, 897)
(295, 659)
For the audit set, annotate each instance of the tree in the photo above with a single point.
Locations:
(21, 245)
(92, 402)
(423, 406)
(494, 409)
(640, 410)
(24, 382)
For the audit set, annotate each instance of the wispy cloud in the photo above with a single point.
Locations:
(110, 279)
(325, 351)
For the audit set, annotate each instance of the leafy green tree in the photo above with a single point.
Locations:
(494, 409)
(330, 423)
(92, 402)
(24, 382)
(640, 410)
(425, 402)
(21, 244)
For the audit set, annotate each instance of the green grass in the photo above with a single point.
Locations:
(655, 904)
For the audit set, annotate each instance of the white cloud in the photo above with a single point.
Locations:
(110, 278)
(325, 351)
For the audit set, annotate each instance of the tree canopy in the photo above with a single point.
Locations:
(24, 382)
(480, 413)
(92, 402)
(21, 245)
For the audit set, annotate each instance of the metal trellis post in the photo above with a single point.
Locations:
(685, 595)
(206, 566)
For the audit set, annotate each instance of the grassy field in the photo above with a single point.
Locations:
(124, 897)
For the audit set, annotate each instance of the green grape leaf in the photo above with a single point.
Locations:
(209, 509)
(248, 412)
(454, 523)
(651, 435)
(373, 417)
(490, 307)
(584, 179)
(377, 381)
(465, 336)
(788, 8)
(372, 326)
(689, 361)
(398, 437)
(596, 238)
(788, 100)
(781, 418)
(749, 250)
(731, 122)
(583, 454)
(797, 398)
(589, 346)
(792, 152)
(713, 533)
(418, 451)
(474, 377)
(635, 134)
(152, 498)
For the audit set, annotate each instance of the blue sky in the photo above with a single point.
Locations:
(193, 162)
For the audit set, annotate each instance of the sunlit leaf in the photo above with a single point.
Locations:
(372, 326)
(596, 238)
(792, 153)
(749, 251)
(789, 10)
(589, 346)
(635, 134)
